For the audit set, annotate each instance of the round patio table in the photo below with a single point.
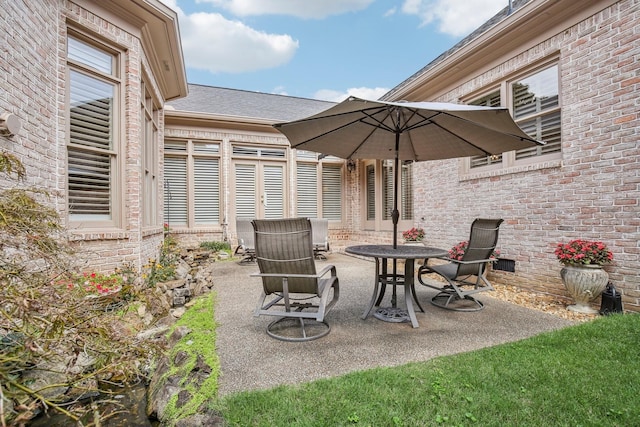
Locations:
(382, 255)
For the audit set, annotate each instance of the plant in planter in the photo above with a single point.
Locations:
(413, 234)
(582, 274)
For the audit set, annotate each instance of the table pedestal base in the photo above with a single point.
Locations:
(392, 314)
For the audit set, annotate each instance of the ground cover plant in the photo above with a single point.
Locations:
(63, 333)
(583, 375)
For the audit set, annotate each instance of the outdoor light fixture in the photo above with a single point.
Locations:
(351, 165)
(9, 124)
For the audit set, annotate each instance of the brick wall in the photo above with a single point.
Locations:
(592, 193)
(33, 81)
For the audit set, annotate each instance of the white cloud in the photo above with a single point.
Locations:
(213, 43)
(360, 92)
(313, 9)
(454, 17)
(279, 90)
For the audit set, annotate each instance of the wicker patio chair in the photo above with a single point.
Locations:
(292, 290)
(320, 237)
(246, 245)
(457, 290)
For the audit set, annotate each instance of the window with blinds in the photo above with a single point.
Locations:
(332, 192)
(245, 191)
(273, 197)
(175, 187)
(371, 192)
(92, 146)
(307, 189)
(536, 109)
(405, 192)
(490, 100)
(406, 183)
(192, 183)
(535, 105)
(206, 203)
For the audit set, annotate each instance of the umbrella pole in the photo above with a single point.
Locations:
(395, 215)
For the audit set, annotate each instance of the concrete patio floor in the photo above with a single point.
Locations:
(250, 359)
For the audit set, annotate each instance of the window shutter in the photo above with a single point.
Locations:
(332, 192)
(89, 55)
(90, 151)
(89, 184)
(407, 191)
(175, 173)
(206, 190)
(371, 192)
(91, 112)
(387, 189)
(307, 201)
(273, 187)
(245, 191)
(490, 100)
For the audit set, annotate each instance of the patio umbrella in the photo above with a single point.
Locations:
(359, 128)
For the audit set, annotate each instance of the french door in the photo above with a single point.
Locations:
(259, 188)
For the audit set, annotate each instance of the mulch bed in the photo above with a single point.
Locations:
(547, 303)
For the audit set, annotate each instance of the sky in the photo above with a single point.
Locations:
(320, 49)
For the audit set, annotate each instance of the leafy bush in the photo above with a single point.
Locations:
(216, 246)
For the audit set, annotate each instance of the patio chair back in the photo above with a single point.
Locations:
(284, 246)
(483, 239)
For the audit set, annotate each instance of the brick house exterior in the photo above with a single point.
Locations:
(142, 40)
(589, 190)
(588, 187)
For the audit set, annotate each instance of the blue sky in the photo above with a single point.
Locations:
(323, 49)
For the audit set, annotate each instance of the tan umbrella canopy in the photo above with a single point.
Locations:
(365, 129)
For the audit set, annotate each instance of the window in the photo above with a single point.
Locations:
(192, 183)
(534, 102)
(405, 193)
(379, 180)
(149, 121)
(536, 109)
(319, 186)
(93, 144)
(490, 100)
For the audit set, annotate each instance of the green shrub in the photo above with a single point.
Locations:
(216, 246)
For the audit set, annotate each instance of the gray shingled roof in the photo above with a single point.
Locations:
(244, 103)
(503, 14)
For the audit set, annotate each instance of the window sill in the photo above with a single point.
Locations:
(95, 234)
(485, 173)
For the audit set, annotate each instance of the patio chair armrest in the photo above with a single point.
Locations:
(477, 261)
(326, 269)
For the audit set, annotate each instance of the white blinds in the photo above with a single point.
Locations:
(273, 197)
(490, 100)
(371, 192)
(90, 153)
(332, 192)
(245, 191)
(175, 173)
(407, 191)
(206, 190)
(89, 55)
(307, 200)
(387, 189)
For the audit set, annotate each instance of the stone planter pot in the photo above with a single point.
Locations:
(414, 243)
(584, 283)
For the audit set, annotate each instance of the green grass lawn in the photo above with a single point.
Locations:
(583, 375)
